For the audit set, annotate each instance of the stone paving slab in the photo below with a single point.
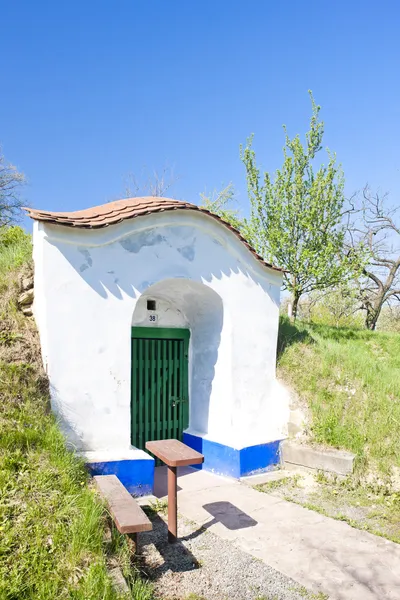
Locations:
(320, 553)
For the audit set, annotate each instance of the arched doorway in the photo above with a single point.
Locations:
(176, 332)
(160, 391)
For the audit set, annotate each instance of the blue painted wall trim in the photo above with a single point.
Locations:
(136, 475)
(256, 459)
(224, 460)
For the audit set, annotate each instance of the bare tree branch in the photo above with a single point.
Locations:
(11, 180)
(155, 183)
(378, 229)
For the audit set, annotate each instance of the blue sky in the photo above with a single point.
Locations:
(93, 90)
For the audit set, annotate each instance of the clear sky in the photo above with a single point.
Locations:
(92, 90)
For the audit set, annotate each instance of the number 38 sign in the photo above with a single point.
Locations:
(152, 318)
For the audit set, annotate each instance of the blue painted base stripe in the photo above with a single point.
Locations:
(224, 460)
(136, 475)
(256, 459)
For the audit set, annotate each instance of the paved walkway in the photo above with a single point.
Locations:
(320, 553)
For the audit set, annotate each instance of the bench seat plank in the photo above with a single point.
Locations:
(127, 514)
(174, 453)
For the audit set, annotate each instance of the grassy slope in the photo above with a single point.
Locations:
(351, 381)
(51, 523)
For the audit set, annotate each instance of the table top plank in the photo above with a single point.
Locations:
(127, 514)
(174, 453)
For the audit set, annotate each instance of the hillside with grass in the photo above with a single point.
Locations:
(52, 526)
(350, 381)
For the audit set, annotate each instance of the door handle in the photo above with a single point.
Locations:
(175, 400)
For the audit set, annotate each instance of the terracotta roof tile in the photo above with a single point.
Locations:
(129, 208)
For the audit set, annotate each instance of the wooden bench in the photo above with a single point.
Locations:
(126, 513)
(174, 454)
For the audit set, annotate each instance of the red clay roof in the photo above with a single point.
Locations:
(129, 208)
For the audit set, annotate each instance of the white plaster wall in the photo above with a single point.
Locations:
(167, 314)
(88, 288)
(39, 302)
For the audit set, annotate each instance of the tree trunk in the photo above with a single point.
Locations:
(295, 303)
(373, 312)
(372, 318)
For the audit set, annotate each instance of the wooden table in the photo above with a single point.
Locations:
(174, 454)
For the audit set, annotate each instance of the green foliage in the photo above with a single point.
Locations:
(351, 381)
(389, 319)
(15, 249)
(220, 203)
(273, 485)
(339, 307)
(159, 506)
(12, 235)
(296, 216)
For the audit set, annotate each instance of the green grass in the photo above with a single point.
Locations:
(52, 525)
(270, 486)
(383, 522)
(350, 379)
(15, 250)
(372, 508)
(158, 506)
(307, 595)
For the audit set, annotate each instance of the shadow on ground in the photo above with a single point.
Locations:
(161, 556)
(176, 557)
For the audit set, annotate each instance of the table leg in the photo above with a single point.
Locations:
(172, 506)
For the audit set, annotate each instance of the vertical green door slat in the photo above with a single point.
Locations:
(133, 392)
(176, 389)
(152, 391)
(146, 390)
(140, 393)
(181, 392)
(170, 375)
(164, 388)
(174, 405)
(159, 384)
(185, 390)
(173, 390)
(133, 383)
(154, 416)
(149, 391)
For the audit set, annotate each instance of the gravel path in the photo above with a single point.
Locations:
(202, 566)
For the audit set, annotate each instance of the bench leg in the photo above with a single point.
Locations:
(134, 538)
(172, 506)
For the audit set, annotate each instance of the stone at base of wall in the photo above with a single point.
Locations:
(228, 461)
(334, 461)
(134, 469)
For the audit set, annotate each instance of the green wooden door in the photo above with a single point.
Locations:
(159, 398)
